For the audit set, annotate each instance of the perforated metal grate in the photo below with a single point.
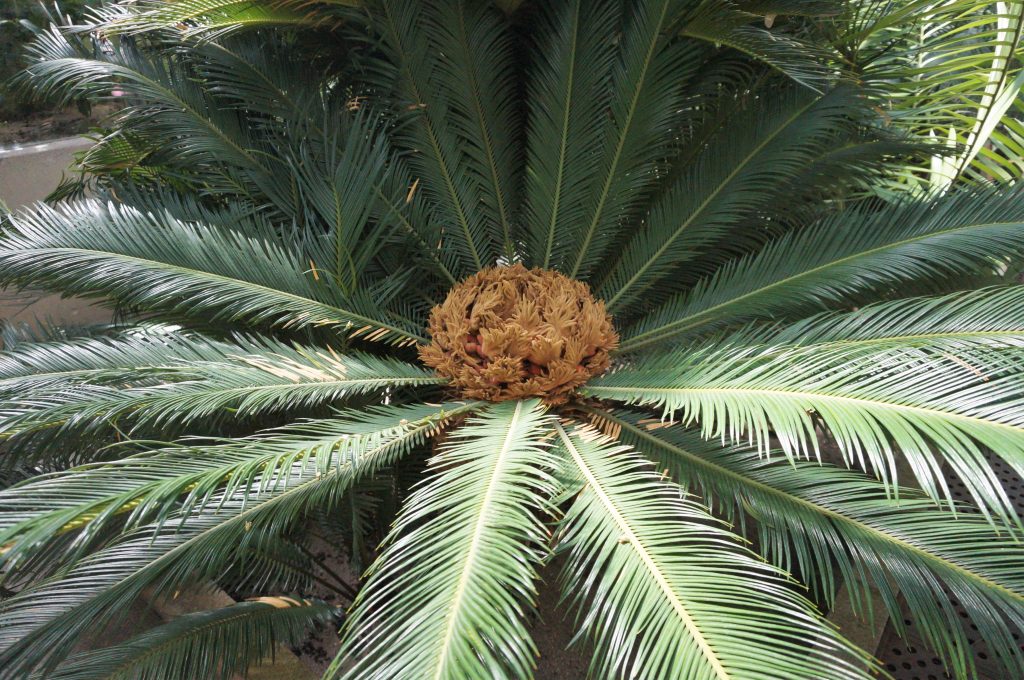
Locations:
(910, 659)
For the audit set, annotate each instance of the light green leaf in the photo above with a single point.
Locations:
(665, 591)
(448, 594)
(831, 524)
(924, 404)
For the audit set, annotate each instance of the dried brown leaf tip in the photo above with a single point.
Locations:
(511, 332)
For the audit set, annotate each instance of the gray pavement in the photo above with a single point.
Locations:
(27, 174)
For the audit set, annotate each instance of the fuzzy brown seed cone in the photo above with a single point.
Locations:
(512, 333)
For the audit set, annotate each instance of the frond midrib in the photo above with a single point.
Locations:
(652, 566)
(478, 530)
(610, 304)
(864, 401)
(821, 509)
(244, 514)
(488, 143)
(634, 102)
(950, 335)
(155, 650)
(432, 134)
(283, 95)
(564, 141)
(156, 264)
(691, 321)
(196, 115)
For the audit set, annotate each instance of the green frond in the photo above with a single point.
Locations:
(40, 625)
(190, 476)
(463, 174)
(199, 119)
(842, 258)
(159, 263)
(947, 72)
(925, 404)
(825, 521)
(448, 594)
(278, 564)
(213, 19)
(477, 73)
(171, 105)
(213, 645)
(665, 591)
(338, 179)
(144, 382)
(569, 92)
(320, 163)
(733, 25)
(992, 317)
(647, 92)
(717, 196)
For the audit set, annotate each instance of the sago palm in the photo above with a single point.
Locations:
(603, 286)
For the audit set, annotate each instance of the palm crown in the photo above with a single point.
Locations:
(275, 219)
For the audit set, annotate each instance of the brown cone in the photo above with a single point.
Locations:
(510, 333)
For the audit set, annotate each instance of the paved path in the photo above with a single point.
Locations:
(27, 174)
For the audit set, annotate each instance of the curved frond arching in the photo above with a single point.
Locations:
(647, 85)
(448, 594)
(213, 19)
(927, 405)
(842, 258)
(213, 645)
(733, 25)
(992, 317)
(39, 625)
(172, 105)
(569, 92)
(666, 591)
(830, 523)
(150, 486)
(158, 378)
(189, 269)
(756, 154)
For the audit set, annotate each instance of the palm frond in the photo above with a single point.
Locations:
(191, 476)
(926, 404)
(439, 127)
(735, 25)
(479, 75)
(214, 645)
(170, 103)
(947, 71)
(842, 258)
(667, 591)
(447, 596)
(647, 90)
(992, 317)
(41, 623)
(162, 264)
(569, 92)
(171, 380)
(759, 152)
(261, 133)
(213, 19)
(823, 520)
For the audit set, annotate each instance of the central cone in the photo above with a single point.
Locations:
(511, 333)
